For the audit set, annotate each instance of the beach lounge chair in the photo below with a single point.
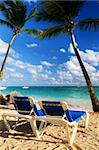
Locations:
(57, 113)
(58, 108)
(24, 110)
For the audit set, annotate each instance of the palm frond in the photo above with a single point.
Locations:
(58, 11)
(14, 11)
(32, 14)
(48, 11)
(52, 31)
(21, 11)
(89, 23)
(3, 22)
(33, 32)
(74, 8)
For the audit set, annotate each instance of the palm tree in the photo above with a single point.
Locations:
(65, 16)
(15, 17)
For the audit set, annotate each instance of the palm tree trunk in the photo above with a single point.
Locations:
(94, 100)
(4, 61)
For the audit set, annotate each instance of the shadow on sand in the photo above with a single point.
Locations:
(23, 131)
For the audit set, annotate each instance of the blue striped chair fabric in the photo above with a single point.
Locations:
(22, 105)
(73, 115)
(53, 108)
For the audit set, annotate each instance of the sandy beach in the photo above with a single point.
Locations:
(54, 137)
(47, 55)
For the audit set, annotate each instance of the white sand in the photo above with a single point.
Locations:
(54, 137)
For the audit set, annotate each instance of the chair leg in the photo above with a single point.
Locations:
(74, 133)
(87, 120)
(42, 125)
(68, 136)
(14, 126)
(33, 124)
(6, 123)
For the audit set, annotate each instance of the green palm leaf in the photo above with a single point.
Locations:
(32, 14)
(3, 22)
(89, 23)
(14, 12)
(52, 31)
(33, 32)
(58, 11)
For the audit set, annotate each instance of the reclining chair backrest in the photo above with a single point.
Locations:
(53, 108)
(22, 104)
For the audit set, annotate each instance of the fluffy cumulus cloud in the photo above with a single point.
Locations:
(3, 49)
(90, 56)
(70, 48)
(10, 69)
(25, 65)
(70, 72)
(62, 50)
(32, 45)
(46, 63)
(17, 75)
(34, 69)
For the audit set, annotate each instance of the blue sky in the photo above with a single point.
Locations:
(50, 61)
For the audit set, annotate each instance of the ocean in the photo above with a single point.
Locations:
(73, 95)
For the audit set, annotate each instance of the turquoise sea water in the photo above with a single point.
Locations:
(73, 95)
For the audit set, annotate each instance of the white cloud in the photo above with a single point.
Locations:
(34, 69)
(3, 49)
(48, 72)
(44, 76)
(47, 64)
(17, 75)
(53, 81)
(62, 50)
(70, 49)
(32, 45)
(23, 66)
(70, 71)
(90, 57)
(20, 64)
(14, 54)
(4, 80)
(10, 69)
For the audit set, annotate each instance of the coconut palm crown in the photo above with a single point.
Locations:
(65, 15)
(15, 17)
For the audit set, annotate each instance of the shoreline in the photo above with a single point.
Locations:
(71, 103)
